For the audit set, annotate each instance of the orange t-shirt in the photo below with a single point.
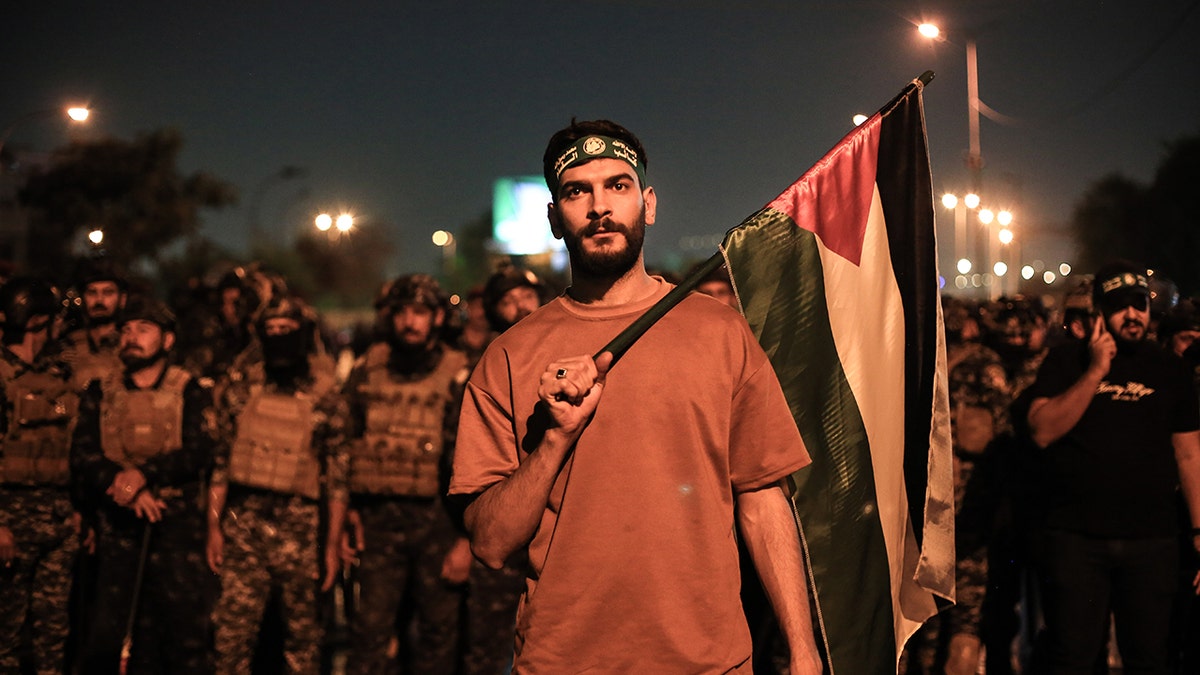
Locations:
(634, 566)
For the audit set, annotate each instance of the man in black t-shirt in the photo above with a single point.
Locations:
(1120, 425)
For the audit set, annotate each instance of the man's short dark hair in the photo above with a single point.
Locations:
(564, 138)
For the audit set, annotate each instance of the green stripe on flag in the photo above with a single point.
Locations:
(776, 268)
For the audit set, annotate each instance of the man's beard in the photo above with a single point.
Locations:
(412, 359)
(134, 363)
(1124, 343)
(606, 264)
(101, 319)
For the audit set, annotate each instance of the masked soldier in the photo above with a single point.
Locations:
(404, 395)
(287, 420)
(92, 349)
(142, 449)
(38, 526)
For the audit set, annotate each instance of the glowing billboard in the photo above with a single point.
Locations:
(519, 225)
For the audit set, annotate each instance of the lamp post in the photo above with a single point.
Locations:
(974, 152)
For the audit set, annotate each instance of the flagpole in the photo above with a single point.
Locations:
(635, 330)
(625, 339)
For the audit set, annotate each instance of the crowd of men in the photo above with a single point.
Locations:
(1077, 482)
(208, 487)
(174, 486)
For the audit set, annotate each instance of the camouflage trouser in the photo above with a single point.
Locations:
(38, 582)
(270, 543)
(406, 541)
(171, 632)
(491, 624)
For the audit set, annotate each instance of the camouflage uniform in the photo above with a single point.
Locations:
(38, 405)
(89, 359)
(272, 515)
(979, 400)
(491, 625)
(404, 428)
(166, 432)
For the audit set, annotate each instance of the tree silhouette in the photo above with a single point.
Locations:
(131, 190)
(1158, 224)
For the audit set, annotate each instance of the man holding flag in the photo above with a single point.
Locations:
(623, 485)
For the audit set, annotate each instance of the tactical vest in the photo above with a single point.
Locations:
(402, 443)
(273, 448)
(38, 443)
(87, 365)
(138, 424)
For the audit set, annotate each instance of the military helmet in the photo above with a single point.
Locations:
(92, 270)
(146, 308)
(409, 289)
(502, 282)
(286, 307)
(23, 298)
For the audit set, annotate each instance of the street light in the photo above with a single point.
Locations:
(323, 222)
(449, 245)
(75, 114)
(344, 223)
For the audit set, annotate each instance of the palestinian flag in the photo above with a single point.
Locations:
(838, 278)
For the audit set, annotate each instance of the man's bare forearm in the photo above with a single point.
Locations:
(1187, 457)
(772, 537)
(1052, 418)
(505, 516)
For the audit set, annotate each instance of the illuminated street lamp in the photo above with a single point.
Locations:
(950, 200)
(1005, 237)
(323, 222)
(344, 222)
(449, 245)
(1005, 218)
(986, 216)
(1000, 268)
(75, 114)
(1027, 272)
(96, 236)
(971, 200)
(964, 266)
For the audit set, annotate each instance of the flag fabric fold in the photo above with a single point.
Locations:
(838, 279)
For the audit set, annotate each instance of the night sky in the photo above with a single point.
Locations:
(405, 113)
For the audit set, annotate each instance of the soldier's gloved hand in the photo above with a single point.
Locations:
(214, 549)
(456, 566)
(147, 506)
(8, 546)
(125, 486)
(352, 538)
